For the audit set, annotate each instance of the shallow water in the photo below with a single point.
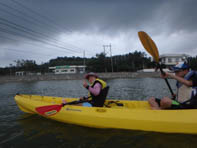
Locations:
(18, 129)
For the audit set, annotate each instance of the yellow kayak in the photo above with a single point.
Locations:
(123, 114)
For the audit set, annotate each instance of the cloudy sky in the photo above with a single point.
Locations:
(44, 29)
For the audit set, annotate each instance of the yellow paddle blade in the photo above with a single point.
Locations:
(149, 45)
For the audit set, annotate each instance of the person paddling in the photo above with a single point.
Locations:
(97, 89)
(186, 97)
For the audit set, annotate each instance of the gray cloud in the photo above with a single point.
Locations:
(167, 21)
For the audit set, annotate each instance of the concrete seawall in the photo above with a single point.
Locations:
(5, 79)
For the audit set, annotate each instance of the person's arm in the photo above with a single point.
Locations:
(180, 79)
(96, 89)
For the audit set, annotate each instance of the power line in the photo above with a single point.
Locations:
(51, 22)
(29, 43)
(27, 30)
(29, 33)
(23, 51)
(38, 14)
(31, 36)
(27, 16)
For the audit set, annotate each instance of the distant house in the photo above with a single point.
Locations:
(20, 73)
(152, 70)
(172, 59)
(27, 73)
(147, 70)
(68, 69)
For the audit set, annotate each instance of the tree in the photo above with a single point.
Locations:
(97, 64)
(26, 65)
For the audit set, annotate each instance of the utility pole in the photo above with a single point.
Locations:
(110, 49)
(104, 48)
(112, 69)
(10, 69)
(104, 59)
(84, 61)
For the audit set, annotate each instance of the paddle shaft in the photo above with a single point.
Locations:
(75, 102)
(166, 80)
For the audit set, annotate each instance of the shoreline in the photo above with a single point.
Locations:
(51, 77)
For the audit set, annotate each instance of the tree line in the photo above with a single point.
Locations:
(130, 62)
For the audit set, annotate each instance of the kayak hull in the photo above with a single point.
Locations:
(133, 115)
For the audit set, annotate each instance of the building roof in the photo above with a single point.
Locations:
(67, 66)
(174, 55)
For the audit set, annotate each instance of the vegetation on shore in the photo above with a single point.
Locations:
(130, 62)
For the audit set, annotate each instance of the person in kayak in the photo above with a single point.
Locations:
(97, 89)
(186, 96)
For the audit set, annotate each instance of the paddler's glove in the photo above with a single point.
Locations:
(83, 98)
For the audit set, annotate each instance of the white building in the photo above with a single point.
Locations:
(68, 69)
(153, 70)
(173, 59)
(20, 73)
(27, 73)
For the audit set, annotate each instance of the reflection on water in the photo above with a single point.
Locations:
(18, 129)
(41, 131)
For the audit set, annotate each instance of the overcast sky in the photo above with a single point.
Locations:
(44, 29)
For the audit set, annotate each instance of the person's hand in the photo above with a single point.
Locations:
(173, 96)
(167, 75)
(164, 75)
(85, 84)
(83, 98)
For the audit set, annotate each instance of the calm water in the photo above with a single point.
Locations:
(18, 129)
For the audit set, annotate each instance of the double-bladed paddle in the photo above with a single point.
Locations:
(151, 48)
(50, 110)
